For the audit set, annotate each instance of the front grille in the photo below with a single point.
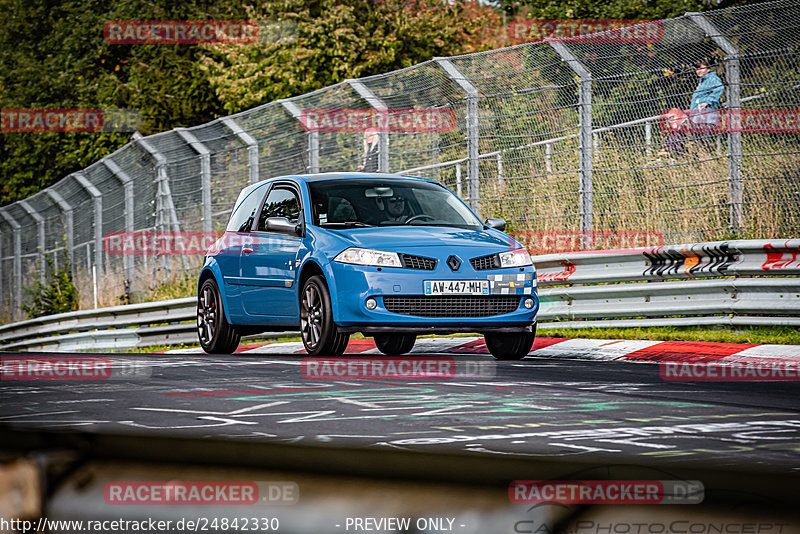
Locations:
(452, 306)
(417, 262)
(492, 261)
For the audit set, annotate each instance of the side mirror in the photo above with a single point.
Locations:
(282, 225)
(497, 223)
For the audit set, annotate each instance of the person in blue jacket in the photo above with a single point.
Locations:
(706, 99)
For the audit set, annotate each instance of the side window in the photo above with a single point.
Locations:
(244, 215)
(281, 202)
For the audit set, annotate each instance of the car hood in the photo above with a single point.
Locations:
(395, 238)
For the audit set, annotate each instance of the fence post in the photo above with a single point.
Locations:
(17, 266)
(252, 148)
(382, 109)
(548, 156)
(473, 182)
(458, 179)
(162, 180)
(500, 168)
(312, 138)
(205, 174)
(164, 195)
(69, 224)
(127, 185)
(97, 196)
(40, 235)
(2, 293)
(585, 140)
(734, 98)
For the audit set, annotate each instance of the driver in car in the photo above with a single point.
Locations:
(396, 209)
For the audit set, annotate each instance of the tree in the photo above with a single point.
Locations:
(53, 55)
(333, 40)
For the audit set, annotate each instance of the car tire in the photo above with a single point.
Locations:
(216, 335)
(513, 346)
(395, 344)
(319, 332)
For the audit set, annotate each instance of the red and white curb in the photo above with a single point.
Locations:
(563, 348)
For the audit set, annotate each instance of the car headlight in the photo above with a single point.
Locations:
(515, 258)
(368, 256)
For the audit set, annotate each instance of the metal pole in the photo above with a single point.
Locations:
(252, 148)
(473, 177)
(89, 187)
(548, 155)
(312, 138)
(165, 195)
(69, 224)
(648, 138)
(500, 167)
(40, 231)
(205, 174)
(585, 141)
(383, 132)
(127, 184)
(732, 75)
(313, 152)
(17, 265)
(164, 198)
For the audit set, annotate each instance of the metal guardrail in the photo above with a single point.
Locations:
(128, 326)
(719, 283)
(734, 283)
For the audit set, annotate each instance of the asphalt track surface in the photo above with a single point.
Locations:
(611, 411)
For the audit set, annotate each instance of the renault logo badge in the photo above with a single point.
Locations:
(454, 263)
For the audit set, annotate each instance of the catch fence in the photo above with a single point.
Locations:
(564, 136)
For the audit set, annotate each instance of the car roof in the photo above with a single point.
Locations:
(338, 176)
(355, 175)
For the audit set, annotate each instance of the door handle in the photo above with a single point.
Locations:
(247, 250)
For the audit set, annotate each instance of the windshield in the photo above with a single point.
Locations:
(386, 202)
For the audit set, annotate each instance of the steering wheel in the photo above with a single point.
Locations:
(420, 216)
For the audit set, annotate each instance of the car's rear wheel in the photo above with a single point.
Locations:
(394, 344)
(513, 346)
(319, 332)
(216, 335)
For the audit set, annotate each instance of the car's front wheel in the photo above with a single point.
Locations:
(512, 346)
(319, 332)
(395, 344)
(216, 335)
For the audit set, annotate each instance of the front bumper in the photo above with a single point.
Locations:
(354, 284)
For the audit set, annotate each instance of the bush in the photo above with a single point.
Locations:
(57, 294)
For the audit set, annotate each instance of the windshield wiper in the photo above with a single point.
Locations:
(346, 224)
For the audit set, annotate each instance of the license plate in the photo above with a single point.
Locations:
(456, 287)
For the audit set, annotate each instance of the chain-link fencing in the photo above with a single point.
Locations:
(594, 137)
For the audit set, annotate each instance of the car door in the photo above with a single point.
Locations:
(228, 248)
(268, 267)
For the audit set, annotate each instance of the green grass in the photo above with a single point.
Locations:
(183, 285)
(773, 334)
(756, 335)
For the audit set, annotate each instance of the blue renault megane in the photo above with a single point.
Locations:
(390, 256)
